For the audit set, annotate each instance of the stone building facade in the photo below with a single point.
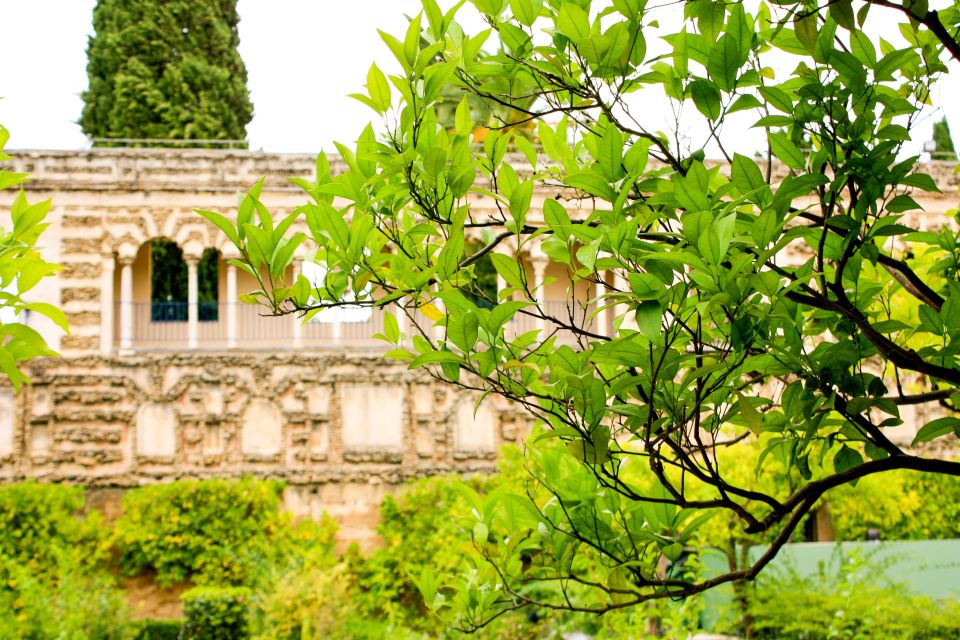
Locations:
(138, 397)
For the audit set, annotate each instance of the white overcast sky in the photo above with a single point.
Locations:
(303, 57)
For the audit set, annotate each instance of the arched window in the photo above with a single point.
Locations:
(169, 288)
(168, 282)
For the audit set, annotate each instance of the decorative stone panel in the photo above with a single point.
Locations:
(262, 435)
(311, 419)
(372, 417)
(156, 431)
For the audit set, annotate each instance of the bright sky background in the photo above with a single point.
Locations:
(303, 57)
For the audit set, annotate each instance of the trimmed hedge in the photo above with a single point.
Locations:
(216, 613)
(212, 532)
(157, 629)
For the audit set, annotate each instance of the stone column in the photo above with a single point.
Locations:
(231, 306)
(602, 317)
(106, 304)
(539, 262)
(620, 283)
(193, 315)
(505, 249)
(297, 324)
(126, 303)
(401, 318)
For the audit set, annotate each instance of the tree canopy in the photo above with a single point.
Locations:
(166, 70)
(943, 141)
(782, 304)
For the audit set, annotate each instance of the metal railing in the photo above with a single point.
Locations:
(165, 325)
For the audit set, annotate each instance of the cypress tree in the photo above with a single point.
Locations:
(166, 69)
(943, 141)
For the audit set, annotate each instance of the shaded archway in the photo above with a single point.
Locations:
(169, 283)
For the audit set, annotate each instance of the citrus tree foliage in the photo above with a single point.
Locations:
(21, 269)
(161, 69)
(782, 297)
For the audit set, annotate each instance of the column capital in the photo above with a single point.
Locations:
(127, 253)
(229, 252)
(192, 251)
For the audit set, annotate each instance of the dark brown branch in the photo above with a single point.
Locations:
(812, 491)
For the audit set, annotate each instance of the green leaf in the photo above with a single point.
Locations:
(509, 270)
(379, 89)
(706, 98)
(54, 313)
(573, 22)
(648, 316)
(920, 181)
(846, 458)
(435, 357)
(710, 20)
(750, 415)
(937, 428)
(744, 102)
(786, 151)
(842, 12)
(464, 330)
(592, 184)
(746, 175)
(525, 11)
(902, 203)
(724, 62)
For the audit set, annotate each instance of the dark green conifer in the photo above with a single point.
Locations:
(944, 143)
(166, 69)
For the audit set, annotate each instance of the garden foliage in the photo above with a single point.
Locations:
(216, 613)
(212, 532)
(54, 578)
(57, 578)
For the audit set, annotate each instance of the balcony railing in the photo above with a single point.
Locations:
(165, 325)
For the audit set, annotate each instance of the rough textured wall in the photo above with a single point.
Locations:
(339, 429)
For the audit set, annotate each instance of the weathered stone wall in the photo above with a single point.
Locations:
(339, 429)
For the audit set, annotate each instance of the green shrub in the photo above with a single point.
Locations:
(216, 613)
(41, 522)
(847, 598)
(157, 629)
(319, 603)
(212, 532)
(901, 505)
(419, 529)
(66, 601)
